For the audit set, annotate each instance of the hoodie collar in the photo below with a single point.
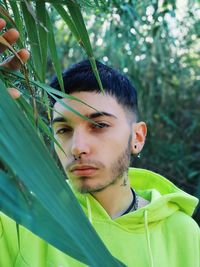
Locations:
(164, 197)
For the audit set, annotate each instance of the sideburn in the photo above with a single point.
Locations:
(120, 167)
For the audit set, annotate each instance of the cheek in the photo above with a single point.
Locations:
(115, 146)
(108, 152)
(61, 155)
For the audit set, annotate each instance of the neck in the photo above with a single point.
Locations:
(115, 199)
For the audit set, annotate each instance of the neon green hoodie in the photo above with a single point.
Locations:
(161, 234)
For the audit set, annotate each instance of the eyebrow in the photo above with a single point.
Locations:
(90, 117)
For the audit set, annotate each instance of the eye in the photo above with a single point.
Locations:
(63, 130)
(100, 125)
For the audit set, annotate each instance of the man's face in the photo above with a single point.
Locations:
(104, 148)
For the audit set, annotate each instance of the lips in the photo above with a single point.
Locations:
(83, 170)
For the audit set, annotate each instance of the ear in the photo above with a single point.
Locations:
(139, 132)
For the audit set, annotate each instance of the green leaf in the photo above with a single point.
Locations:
(40, 123)
(63, 13)
(45, 203)
(43, 36)
(51, 91)
(53, 52)
(31, 29)
(78, 21)
(17, 19)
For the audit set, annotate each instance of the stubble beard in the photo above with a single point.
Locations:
(118, 171)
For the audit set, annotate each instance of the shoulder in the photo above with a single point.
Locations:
(181, 219)
(183, 227)
(182, 237)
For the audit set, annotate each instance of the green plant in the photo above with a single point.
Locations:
(28, 173)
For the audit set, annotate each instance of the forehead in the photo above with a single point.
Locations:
(95, 102)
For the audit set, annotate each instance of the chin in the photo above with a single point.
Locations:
(87, 187)
(84, 189)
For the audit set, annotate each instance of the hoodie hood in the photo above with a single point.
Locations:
(163, 196)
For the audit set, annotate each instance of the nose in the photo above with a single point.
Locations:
(79, 143)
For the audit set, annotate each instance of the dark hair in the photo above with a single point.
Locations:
(80, 77)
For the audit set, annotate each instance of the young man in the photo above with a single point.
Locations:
(143, 219)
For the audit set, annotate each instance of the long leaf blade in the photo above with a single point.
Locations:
(79, 23)
(54, 54)
(31, 29)
(43, 36)
(44, 190)
(63, 13)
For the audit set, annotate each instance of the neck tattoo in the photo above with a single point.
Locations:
(125, 181)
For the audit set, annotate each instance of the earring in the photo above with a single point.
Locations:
(138, 155)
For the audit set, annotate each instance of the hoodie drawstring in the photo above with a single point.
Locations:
(89, 210)
(148, 238)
